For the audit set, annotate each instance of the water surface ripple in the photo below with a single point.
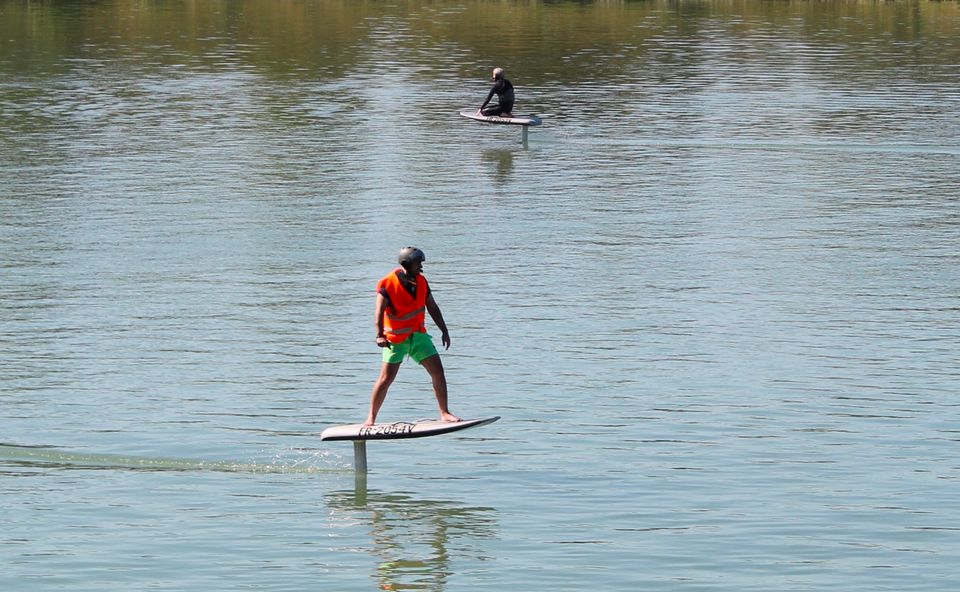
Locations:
(714, 298)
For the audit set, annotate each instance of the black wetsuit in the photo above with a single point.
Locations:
(504, 91)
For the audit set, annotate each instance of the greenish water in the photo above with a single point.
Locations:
(714, 298)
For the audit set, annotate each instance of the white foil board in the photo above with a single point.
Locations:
(401, 429)
(522, 120)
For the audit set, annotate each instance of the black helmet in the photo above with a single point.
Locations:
(410, 254)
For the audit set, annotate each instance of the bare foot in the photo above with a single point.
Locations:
(370, 421)
(449, 417)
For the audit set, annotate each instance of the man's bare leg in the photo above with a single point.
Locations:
(379, 393)
(434, 366)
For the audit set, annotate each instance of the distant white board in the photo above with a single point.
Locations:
(401, 429)
(521, 120)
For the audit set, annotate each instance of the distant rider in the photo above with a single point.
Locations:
(504, 91)
(402, 297)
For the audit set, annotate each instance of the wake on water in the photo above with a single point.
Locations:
(296, 461)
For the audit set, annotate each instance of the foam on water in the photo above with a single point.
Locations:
(296, 461)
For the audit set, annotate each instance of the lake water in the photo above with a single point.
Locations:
(714, 298)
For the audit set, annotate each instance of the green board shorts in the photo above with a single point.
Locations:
(418, 346)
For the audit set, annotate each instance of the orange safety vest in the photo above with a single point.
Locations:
(404, 315)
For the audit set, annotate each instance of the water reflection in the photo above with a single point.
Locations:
(500, 164)
(415, 540)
